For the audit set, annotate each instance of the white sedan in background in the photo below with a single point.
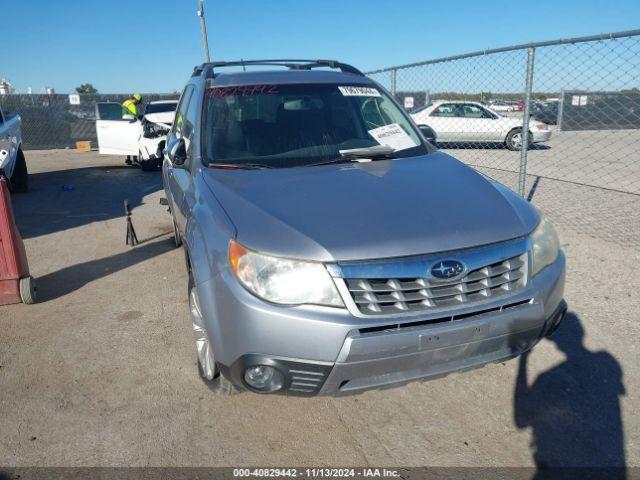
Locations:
(143, 139)
(472, 122)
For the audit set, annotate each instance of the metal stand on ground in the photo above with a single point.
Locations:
(132, 238)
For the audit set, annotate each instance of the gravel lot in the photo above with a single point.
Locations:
(102, 372)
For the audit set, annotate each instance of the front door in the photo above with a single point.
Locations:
(177, 178)
(116, 135)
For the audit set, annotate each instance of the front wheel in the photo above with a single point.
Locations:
(147, 164)
(514, 139)
(207, 366)
(177, 238)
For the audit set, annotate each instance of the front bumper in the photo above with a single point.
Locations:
(151, 147)
(434, 352)
(324, 350)
(541, 135)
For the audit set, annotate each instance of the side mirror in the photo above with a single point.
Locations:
(177, 151)
(428, 133)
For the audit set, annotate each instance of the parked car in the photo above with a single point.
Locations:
(502, 105)
(472, 122)
(143, 139)
(546, 112)
(12, 160)
(330, 248)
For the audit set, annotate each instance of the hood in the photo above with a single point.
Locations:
(359, 211)
(161, 118)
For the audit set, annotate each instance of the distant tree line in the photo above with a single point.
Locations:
(86, 89)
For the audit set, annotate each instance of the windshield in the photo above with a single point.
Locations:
(303, 124)
(161, 107)
(420, 109)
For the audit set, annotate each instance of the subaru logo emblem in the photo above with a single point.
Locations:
(446, 269)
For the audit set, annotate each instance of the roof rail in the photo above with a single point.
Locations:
(296, 64)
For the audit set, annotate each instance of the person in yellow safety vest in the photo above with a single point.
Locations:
(130, 107)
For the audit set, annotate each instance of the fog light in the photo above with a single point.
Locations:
(264, 378)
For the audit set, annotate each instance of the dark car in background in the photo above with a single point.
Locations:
(546, 112)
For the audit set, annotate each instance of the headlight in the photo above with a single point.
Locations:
(281, 280)
(544, 245)
(153, 130)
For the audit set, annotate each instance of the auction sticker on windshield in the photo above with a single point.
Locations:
(393, 136)
(359, 92)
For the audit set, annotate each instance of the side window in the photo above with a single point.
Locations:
(109, 111)
(1, 117)
(473, 111)
(181, 113)
(487, 114)
(444, 110)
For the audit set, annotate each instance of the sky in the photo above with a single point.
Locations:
(153, 45)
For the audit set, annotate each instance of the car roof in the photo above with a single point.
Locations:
(158, 102)
(288, 77)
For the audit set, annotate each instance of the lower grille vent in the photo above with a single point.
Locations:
(451, 318)
(304, 381)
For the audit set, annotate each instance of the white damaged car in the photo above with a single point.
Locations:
(141, 138)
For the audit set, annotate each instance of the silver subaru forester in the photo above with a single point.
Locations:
(331, 248)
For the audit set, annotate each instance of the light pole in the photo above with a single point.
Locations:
(203, 24)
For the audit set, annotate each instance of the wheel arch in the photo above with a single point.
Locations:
(512, 129)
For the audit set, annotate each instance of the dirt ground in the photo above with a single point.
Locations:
(102, 371)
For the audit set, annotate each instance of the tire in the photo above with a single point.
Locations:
(207, 366)
(20, 176)
(28, 290)
(514, 139)
(148, 165)
(177, 239)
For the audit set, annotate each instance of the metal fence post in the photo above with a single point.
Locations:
(524, 148)
(394, 73)
(560, 111)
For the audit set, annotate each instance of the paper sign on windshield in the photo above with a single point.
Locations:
(359, 92)
(393, 136)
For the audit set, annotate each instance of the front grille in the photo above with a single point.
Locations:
(400, 295)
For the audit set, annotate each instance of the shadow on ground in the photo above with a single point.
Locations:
(573, 409)
(69, 279)
(98, 194)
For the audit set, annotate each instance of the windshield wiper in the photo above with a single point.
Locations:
(238, 166)
(358, 154)
(377, 151)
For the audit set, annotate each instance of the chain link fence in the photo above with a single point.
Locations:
(59, 120)
(579, 158)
